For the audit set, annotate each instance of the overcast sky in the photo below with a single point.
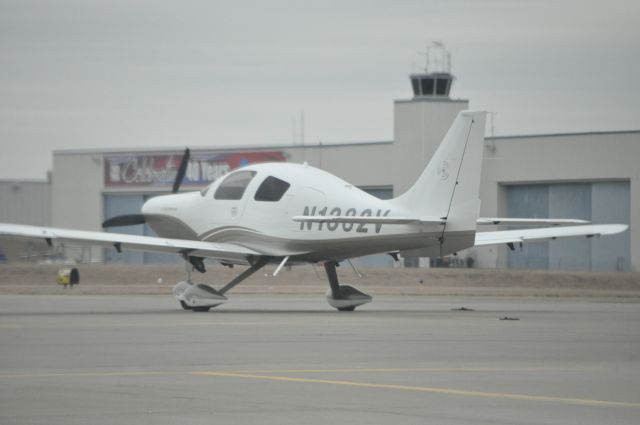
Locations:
(116, 73)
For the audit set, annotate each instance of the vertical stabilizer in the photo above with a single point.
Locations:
(449, 186)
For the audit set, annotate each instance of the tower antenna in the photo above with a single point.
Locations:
(302, 128)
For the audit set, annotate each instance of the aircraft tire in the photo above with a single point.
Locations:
(352, 308)
(200, 309)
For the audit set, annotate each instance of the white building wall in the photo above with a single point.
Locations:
(420, 125)
(78, 185)
(25, 202)
(366, 164)
(77, 195)
(588, 157)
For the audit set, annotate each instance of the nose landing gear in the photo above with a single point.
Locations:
(200, 297)
(197, 297)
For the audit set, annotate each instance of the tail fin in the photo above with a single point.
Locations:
(449, 186)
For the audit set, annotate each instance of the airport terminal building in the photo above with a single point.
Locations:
(592, 176)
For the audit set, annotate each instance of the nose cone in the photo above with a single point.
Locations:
(162, 213)
(162, 205)
(150, 206)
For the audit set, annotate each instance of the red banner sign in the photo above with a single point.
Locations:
(160, 170)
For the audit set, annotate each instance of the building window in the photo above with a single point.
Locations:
(380, 192)
(271, 190)
(233, 187)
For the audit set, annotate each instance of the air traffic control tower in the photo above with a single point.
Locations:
(421, 123)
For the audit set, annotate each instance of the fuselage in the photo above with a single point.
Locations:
(254, 207)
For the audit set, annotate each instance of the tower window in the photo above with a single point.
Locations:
(427, 86)
(416, 86)
(441, 86)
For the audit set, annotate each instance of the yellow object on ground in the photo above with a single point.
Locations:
(68, 276)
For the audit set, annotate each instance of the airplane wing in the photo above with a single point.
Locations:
(365, 219)
(221, 251)
(529, 221)
(516, 236)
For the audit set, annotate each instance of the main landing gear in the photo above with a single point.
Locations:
(343, 297)
(201, 297)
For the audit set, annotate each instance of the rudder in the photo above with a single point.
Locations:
(433, 193)
(449, 187)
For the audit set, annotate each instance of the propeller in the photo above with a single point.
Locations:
(124, 220)
(181, 171)
(132, 219)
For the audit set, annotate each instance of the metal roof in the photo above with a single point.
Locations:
(214, 148)
(585, 133)
(230, 148)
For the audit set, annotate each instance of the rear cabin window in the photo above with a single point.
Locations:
(271, 190)
(233, 187)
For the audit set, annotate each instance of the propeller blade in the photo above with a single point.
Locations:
(124, 220)
(181, 171)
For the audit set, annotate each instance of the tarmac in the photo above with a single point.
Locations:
(287, 359)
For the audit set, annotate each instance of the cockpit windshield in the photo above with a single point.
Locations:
(204, 190)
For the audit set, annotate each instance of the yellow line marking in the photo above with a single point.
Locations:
(398, 369)
(141, 325)
(269, 371)
(447, 391)
(259, 374)
(90, 374)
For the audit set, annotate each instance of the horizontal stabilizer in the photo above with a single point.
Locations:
(529, 221)
(366, 219)
(516, 236)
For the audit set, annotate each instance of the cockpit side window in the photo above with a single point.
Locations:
(233, 187)
(271, 190)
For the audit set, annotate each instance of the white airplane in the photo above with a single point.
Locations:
(285, 213)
